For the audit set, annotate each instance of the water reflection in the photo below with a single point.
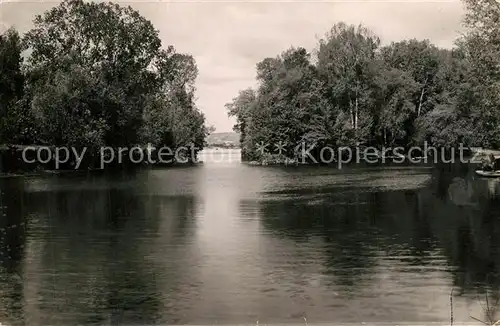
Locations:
(412, 231)
(228, 243)
(94, 250)
(12, 242)
(461, 192)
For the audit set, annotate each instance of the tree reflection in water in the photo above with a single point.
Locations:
(127, 250)
(12, 246)
(457, 215)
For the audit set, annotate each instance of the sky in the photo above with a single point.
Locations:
(228, 38)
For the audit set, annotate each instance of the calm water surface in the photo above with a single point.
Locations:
(226, 243)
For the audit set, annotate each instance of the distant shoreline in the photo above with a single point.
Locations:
(221, 146)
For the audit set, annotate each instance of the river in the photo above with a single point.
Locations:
(227, 243)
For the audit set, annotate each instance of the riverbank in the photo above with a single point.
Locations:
(15, 161)
(7, 175)
(37, 173)
(484, 151)
(373, 155)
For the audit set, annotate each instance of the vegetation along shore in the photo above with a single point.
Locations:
(91, 75)
(352, 90)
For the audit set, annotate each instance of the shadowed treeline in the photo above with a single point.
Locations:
(352, 90)
(91, 75)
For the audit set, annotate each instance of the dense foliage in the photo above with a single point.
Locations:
(13, 122)
(96, 74)
(354, 91)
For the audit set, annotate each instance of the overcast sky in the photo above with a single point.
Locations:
(227, 38)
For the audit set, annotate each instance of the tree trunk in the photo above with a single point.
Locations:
(351, 113)
(356, 114)
(421, 98)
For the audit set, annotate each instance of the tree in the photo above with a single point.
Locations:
(345, 61)
(69, 106)
(394, 107)
(355, 92)
(11, 88)
(481, 47)
(114, 46)
(278, 112)
(171, 117)
(421, 60)
(97, 75)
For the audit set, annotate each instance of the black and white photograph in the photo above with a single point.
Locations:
(256, 162)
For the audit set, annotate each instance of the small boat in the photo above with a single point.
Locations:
(489, 174)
